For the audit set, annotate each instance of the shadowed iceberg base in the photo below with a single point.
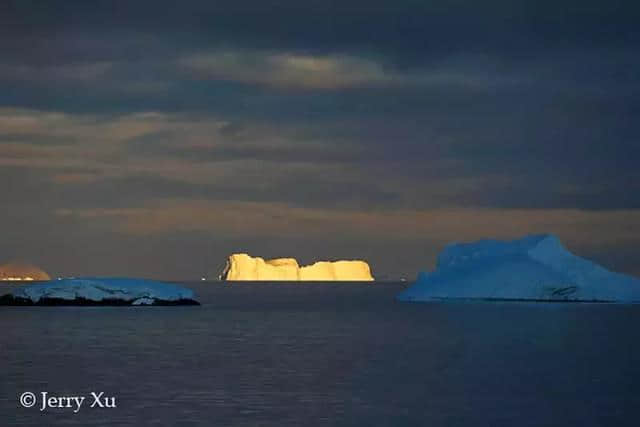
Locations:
(537, 268)
(100, 291)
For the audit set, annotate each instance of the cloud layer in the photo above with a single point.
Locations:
(367, 128)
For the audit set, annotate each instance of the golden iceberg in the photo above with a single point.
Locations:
(246, 267)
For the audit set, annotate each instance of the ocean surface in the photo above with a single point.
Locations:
(323, 355)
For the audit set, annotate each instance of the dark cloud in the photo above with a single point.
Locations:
(37, 139)
(407, 26)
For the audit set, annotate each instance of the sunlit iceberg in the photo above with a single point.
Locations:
(100, 291)
(246, 267)
(534, 267)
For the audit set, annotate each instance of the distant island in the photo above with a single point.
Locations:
(532, 268)
(246, 267)
(21, 271)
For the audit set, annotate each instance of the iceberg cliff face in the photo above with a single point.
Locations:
(245, 267)
(100, 291)
(535, 267)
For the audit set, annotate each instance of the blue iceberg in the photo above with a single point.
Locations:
(536, 267)
(100, 291)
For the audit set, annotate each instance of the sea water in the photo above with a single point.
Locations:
(336, 354)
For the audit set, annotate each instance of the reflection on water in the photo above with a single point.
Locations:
(325, 354)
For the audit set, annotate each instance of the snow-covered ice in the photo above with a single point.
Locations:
(536, 267)
(104, 290)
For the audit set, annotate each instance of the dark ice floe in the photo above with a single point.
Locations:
(535, 267)
(100, 291)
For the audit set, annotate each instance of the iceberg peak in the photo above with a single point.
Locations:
(456, 255)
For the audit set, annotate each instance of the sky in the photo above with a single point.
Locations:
(156, 138)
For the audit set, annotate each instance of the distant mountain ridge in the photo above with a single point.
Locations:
(18, 270)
